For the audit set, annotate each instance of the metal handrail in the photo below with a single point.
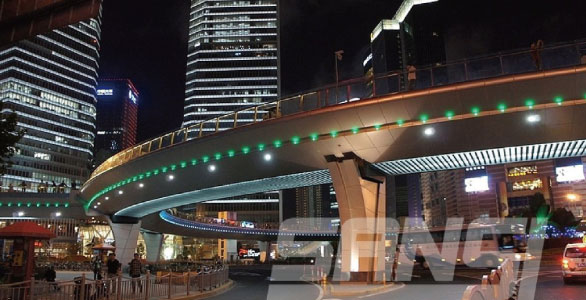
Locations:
(377, 85)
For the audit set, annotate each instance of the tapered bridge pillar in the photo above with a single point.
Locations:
(361, 196)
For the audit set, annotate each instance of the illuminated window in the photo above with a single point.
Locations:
(43, 156)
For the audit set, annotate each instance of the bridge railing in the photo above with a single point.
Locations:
(167, 286)
(501, 64)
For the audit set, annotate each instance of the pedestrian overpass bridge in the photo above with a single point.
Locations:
(506, 119)
(312, 139)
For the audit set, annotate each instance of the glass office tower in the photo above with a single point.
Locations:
(50, 82)
(117, 117)
(232, 60)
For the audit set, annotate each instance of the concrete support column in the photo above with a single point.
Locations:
(265, 251)
(126, 237)
(154, 245)
(360, 191)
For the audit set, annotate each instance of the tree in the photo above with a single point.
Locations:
(9, 136)
(563, 218)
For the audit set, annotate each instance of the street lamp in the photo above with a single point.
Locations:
(573, 198)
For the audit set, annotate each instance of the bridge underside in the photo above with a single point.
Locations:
(407, 166)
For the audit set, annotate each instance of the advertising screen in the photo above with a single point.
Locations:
(476, 184)
(569, 173)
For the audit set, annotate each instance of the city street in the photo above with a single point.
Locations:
(252, 283)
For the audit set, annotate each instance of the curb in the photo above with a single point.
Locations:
(224, 288)
(332, 292)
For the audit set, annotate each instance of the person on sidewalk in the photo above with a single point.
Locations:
(97, 267)
(411, 76)
(113, 269)
(135, 272)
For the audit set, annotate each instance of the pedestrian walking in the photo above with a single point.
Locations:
(50, 276)
(97, 267)
(536, 54)
(411, 76)
(23, 186)
(113, 268)
(135, 272)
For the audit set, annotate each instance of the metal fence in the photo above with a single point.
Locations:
(166, 286)
(510, 63)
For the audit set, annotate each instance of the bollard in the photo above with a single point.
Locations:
(384, 279)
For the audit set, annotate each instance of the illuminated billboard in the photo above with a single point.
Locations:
(476, 184)
(569, 173)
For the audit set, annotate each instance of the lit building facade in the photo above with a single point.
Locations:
(116, 120)
(50, 81)
(232, 61)
(503, 190)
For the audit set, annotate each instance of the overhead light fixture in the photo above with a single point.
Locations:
(171, 177)
(429, 131)
(268, 157)
(120, 192)
(212, 168)
(107, 198)
(534, 118)
(20, 213)
(141, 185)
(58, 214)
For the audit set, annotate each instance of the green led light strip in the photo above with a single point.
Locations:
(475, 111)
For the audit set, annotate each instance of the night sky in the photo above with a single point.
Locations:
(146, 41)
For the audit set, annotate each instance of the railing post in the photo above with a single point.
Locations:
(327, 96)
(82, 287)
(172, 139)
(431, 76)
(32, 289)
(278, 112)
(119, 286)
(465, 71)
(235, 119)
(255, 113)
(147, 285)
(217, 124)
(501, 63)
(169, 287)
(373, 86)
(348, 92)
(187, 284)
(186, 134)
(200, 129)
(301, 103)
(201, 282)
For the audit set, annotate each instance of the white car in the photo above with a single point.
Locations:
(574, 262)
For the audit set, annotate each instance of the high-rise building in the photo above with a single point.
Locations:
(50, 81)
(116, 118)
(232, 60)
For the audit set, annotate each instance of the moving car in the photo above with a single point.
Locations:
(574, 262)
